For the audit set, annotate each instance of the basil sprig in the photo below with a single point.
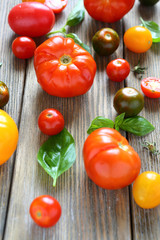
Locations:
(136, 125)
(57, 154)
(154, 28)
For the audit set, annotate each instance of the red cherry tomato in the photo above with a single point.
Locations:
(151, 87)
(23, 47)
(31, 19)
(118, 69)
(57, 6)
(45, 211)
(51, 121)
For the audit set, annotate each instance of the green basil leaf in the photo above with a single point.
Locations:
(100, 122)
(119, 120)
(77, 14)
(137, 125)
(154, 28)
(78, 41)
(57, 154)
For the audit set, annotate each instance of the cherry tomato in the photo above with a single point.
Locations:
(105, 41)
(109, 160)
(8, 136)
(138, 39)
(146, 190)
(149, 2)
(31, 19)
(45, 211)
(128, 100)
(108, 10)
(51, 121)
(151, 87)
(57, 6)
(4, 94)
(63, 68)
(23, 47)
(118, 69)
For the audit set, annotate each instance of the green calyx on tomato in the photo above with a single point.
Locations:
(4, 94)
(65, 59)
(129, 101)
(105, 41)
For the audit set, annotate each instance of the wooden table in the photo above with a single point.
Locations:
(88, 212)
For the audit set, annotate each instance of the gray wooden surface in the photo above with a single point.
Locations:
(88, 212)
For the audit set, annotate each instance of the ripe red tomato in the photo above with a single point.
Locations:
(151, 87)
(23, 47)
(108, 10)
(32, 19)
(51, 121)
(109, 160)
(57, 6)
(63, 68)
(118, 69)
(45, 211)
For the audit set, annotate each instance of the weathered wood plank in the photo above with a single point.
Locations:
(146, 223)
(88, 212)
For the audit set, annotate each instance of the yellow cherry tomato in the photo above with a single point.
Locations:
(138, 39)
(146, 190)
(8, 136)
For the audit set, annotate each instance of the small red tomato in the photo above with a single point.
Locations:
(57, 6)
(51, 121)
(23, 47)
(45, 211)
(151, 87)
(118, 69)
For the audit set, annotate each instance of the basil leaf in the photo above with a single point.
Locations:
(78, 41)
(119, 120)
(100, 122)
(57, 154)
(137, 125)
(77, 15)
(154, 28)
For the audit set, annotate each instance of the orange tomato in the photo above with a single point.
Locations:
(138, 39)
(8, 136)
(146, 190)
(41, 1)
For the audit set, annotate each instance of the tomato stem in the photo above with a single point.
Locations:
(151, 147)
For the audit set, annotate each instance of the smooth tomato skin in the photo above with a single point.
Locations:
(63, 68)
(128, 100)
(4, 94)
(138, 39)
(8, 136)
(23, 47)
(151, 87)
(57, 6)
(45, 211)
(108, 10)
(51, 121)
(146, 190)
(109, 160)
(31, 19)
(105, 41)
(118, 70)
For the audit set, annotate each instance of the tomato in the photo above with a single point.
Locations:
(4, 94)
(105, 41)
(118, 69)
(138, 39)
(51, 121)
(23, 47)
(31, 19)
(63, 68)
(151, 87)
(108, 10)
(8, 136)
(41, 1)
(149, 2)
(45, 211)
(57, 6)
(146, 190)
(128, 100)
(109, 160)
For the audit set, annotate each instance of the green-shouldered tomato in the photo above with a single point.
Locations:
(148, 2)
(4, 94)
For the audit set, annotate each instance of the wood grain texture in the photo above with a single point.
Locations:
(88, 212)
(146, 223)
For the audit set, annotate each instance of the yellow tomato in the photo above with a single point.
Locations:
(138, 39)
(8, 136)
(146, 190)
